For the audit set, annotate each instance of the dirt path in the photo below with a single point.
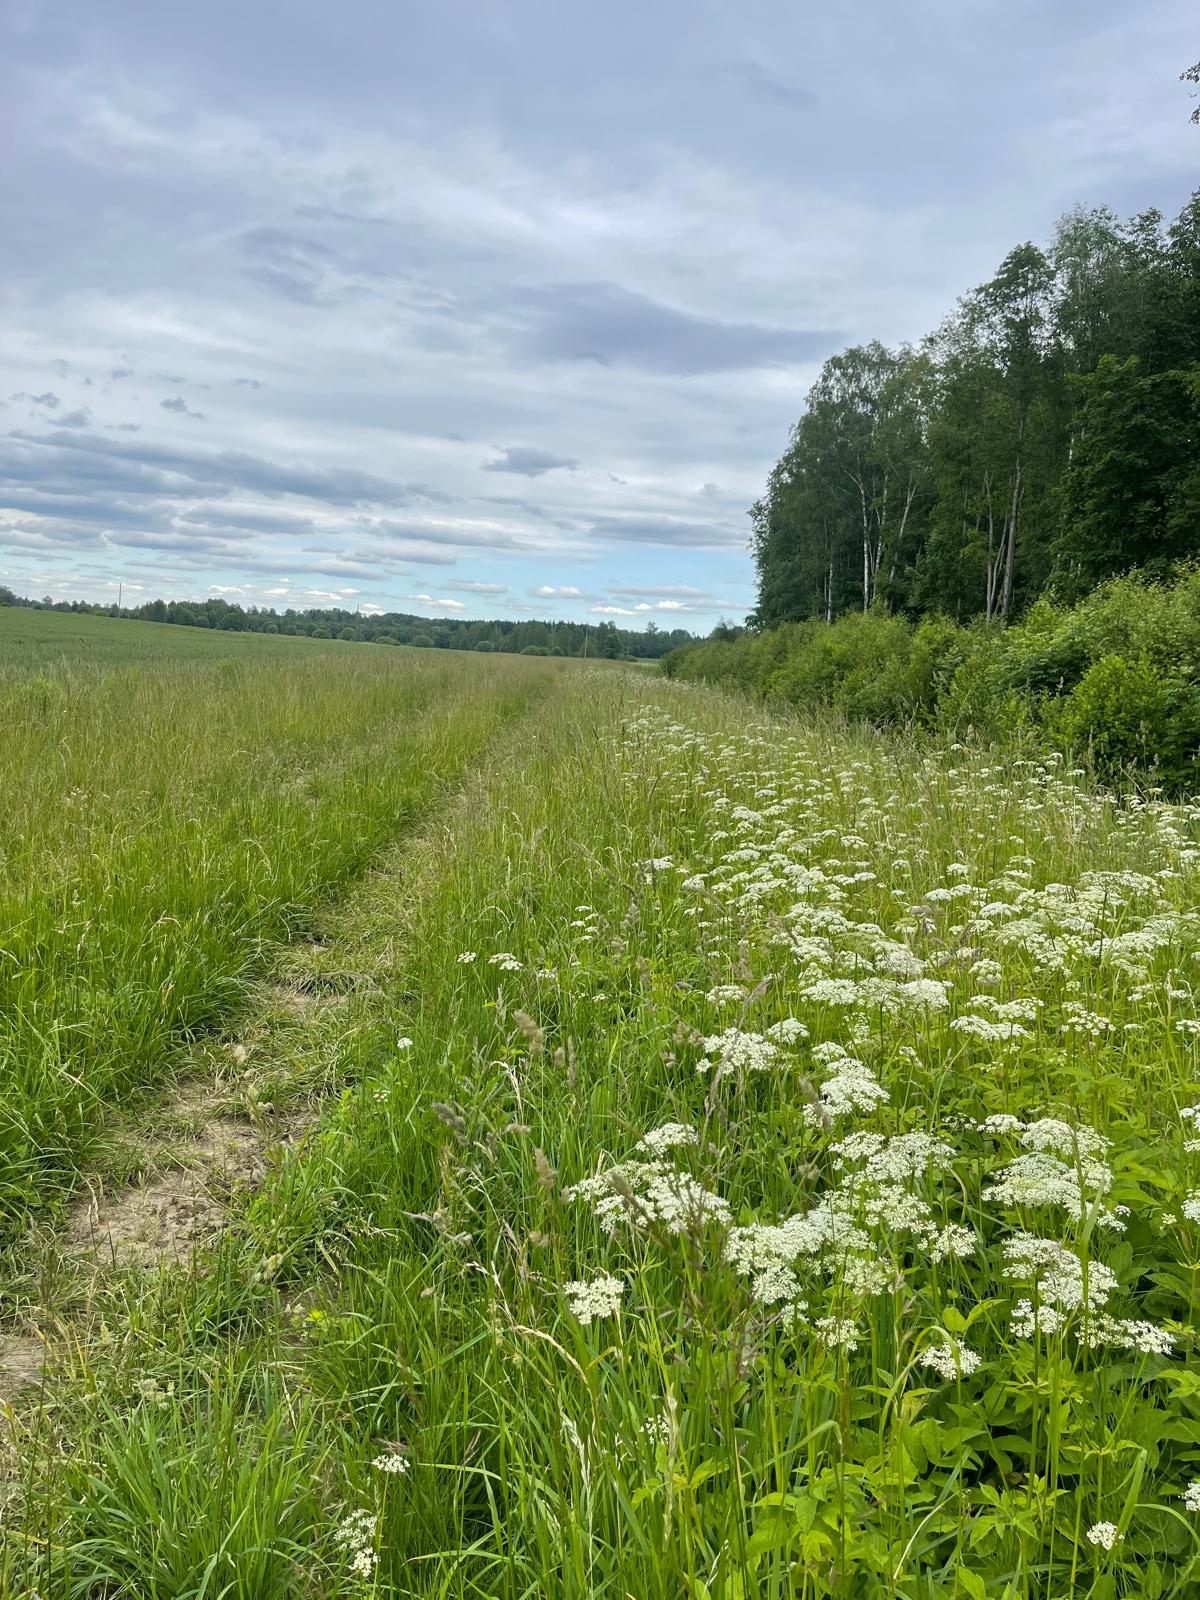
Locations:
(172, 1169)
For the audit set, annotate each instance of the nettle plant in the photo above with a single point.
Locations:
(902, 1298)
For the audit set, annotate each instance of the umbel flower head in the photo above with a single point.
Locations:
(601, 1297)
(1104, 1534)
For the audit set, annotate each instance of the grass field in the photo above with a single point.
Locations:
(174, 799)
(753, 1160)
(37, 640)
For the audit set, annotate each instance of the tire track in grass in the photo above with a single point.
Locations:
(175, 1166)
(144, 871)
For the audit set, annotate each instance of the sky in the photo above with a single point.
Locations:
(475, 309)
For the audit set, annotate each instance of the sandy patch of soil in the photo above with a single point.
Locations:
(22, 1364)
(177, 1209)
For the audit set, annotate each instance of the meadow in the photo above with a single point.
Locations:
(174, 799)
(757, 1158)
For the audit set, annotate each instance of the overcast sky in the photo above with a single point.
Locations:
(477, 308)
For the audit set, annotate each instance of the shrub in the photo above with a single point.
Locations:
(1128, 714)
(1115, 675)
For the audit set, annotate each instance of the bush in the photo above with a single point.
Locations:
(1127, 714)
(485, 644)
(1115, 675)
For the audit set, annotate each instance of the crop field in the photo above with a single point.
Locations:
(676, 1150)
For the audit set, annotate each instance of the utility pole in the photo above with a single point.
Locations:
(587, 628)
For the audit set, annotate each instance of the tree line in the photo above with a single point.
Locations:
(531, 637)
(1042, 440)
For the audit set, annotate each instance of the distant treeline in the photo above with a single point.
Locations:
(1045, 438)
(392, 627)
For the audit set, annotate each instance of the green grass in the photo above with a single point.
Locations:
(758, 1419)
(166, 816)
(32, 640)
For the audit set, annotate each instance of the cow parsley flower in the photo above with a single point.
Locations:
(1104, 1534)
(1001, 1123)
(788, 1031)
(356, 1535)
(741, 1052)
(1191, 1495)
(599, 1298)
(951, 1359)
(668, 1137)
(839, 1333)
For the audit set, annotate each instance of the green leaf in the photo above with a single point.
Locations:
(972, 1585)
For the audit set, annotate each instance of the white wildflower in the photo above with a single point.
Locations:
(601, 1297)
(838, 1332)
(657, 1429)
(954, 1240)
(951, 1359)
(1025, 1321)
(827, 1051)
(1104, 1534)
(667, 1137)
(788, 1031)
(741, 1052)
(356, 1535)
(1001, 1123)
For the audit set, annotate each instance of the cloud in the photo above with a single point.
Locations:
(612, 326)
(468, 586)
(674, 591)
(664, 530)
(646, 608)
(779, 87)
(81, 418)
(567, 591)
(145, 463)
(291, 265)
(529, 462)
(180, 405)
(445, 604)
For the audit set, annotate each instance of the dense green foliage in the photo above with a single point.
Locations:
(603, 639)
(765, 1168)
(1115, 677)
(1044, 438)
(167, 813)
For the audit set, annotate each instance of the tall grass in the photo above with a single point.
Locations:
(164, 820)
(772, 1172)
